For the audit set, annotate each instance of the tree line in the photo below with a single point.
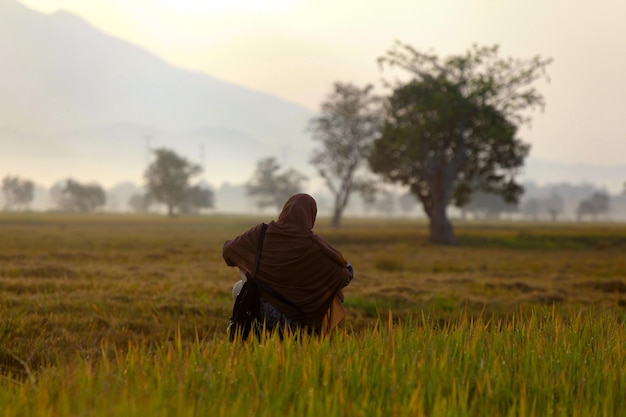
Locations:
(490, 207)
(167, 182)
(447, 130)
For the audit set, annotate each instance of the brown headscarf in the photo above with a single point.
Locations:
(295, 262)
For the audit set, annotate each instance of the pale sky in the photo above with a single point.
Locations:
(296, 49)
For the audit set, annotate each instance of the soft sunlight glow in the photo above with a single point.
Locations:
(204, 6)
(296, 49)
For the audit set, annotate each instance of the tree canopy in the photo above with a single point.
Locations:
(451, 128)
(198, 198)
(140, 203)
(168, 179)
(598, 203)
(348, 124)
(553, 205)
(18, 192)
(82, 198)
(270, 187)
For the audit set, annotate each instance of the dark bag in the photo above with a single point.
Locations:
(247, 308)
(246, 312)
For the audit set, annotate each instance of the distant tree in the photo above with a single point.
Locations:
(368, 200)
(119, 195)
(451, 129)
(386, 204)
(488, 205)
(598, 203)
(349, 122)
(198, 198)
(18, 192)
(407, 202)
(168, 179)
(554, 205)
(55, 192)
(270, 187)
(232, 197)
(82, 198)
(602, 202)
(532, 208)
(140, 203)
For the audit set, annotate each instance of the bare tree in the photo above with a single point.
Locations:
(349, 122)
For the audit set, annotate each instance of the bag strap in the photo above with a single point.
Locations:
(271, 291)
(258, 252)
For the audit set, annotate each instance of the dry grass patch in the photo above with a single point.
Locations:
(72, 282)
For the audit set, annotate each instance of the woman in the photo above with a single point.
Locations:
(306, 275)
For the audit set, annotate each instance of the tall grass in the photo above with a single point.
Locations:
(125, 315)
(531, 365)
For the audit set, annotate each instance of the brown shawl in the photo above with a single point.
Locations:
(295, 262)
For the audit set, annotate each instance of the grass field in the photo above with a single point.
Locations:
(124, 315)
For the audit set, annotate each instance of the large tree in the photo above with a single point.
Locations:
(271, 187)
(168, 179)
(348, 123)
(18, 192)
(451, 128)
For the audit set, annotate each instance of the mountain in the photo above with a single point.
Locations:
(72, 97)
(76, 102)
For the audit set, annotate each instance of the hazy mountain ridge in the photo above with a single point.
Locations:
(76, 102)
(62, 73)
(69, 90)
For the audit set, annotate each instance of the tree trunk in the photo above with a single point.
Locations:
(337, 213)
(436, 204)
(341, 201)
(441, 231)
(170, 210)
(336, 220)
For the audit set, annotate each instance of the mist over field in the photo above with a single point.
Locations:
(78, 103)
(164, 109)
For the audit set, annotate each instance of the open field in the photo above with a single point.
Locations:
(126, 315)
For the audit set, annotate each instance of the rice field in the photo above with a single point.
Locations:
(110, 315)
